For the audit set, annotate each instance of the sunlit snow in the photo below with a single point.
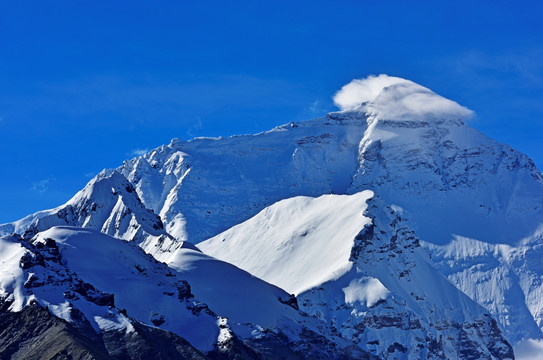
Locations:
(366, 290)
(307, 241)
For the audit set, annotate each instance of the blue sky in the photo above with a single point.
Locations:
(87, 84)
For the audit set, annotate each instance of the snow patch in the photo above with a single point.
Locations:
(114, 322)
(12, 277)
(225, 334)
(366, 290)
(62, 310)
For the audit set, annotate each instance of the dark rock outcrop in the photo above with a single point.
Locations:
(35, 334)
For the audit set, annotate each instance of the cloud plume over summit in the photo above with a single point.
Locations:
(395, 98)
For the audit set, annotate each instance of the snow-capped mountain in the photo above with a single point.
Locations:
(289, 206)
(361, 269)
(451, 178)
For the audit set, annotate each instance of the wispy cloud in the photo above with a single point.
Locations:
(316, 108)
(196, 126)
(525, 65)
(139, 152)
(42, 186)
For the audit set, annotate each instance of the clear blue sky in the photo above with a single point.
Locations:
(86, 84)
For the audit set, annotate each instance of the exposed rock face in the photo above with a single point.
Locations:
(34, 333)
(149, 343)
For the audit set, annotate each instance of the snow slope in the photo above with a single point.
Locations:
(373, 283)
(303, 240)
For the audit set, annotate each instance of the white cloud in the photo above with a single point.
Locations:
(529, 349)
(364, 90)
(198, 125)
(394, 98)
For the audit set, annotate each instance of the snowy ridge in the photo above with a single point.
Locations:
(109, 204)
(443, 171)
(69, 268)
(504, 279)
(213, 184)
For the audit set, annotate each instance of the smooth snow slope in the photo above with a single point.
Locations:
(306, 241)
